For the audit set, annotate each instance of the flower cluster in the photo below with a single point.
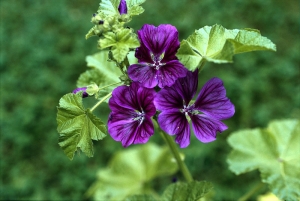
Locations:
(133, 106)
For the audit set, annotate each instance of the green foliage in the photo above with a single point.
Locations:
(119, 42)
(192, 191)
(130, 171)
(77, 126)
(217, 44)
(102, 72)
(110, 7)
(275, 151)
(43, 54)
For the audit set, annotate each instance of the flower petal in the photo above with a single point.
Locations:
(126, 96)
(123, 130)
(206, 128)
(118, 112)
(213, 102)
(144, 74)
(170, 72)
(145, 98)
(168, 98)
(161, 39)
(172, 122)
(183, 139)
(122, 7)
(145, 130)
(187, 86)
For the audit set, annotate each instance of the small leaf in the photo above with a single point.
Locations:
(119, 42)
(77, 126)
(191, 191)
(130, 170)
(134, 7)
(274, 151)
(217, 44)
(103, 73)
(109, 7)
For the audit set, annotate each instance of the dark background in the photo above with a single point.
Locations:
(43, 51)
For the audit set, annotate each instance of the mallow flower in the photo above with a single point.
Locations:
(206, 112)
(132, 108)
(157, 62)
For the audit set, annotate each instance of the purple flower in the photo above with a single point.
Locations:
(83, 89)
(122, 7)
(132, 108)
(158, 64)
(206, 113)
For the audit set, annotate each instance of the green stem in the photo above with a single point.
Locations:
(101, 101)
(108, 85)
(201, 65)
(251, 192)
(173, 147)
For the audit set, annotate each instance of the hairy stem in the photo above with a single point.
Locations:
(173, 147)
(101, 101)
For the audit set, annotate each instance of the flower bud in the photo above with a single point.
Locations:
(83, 89)
(122, 7)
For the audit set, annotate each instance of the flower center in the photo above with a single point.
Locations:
(157, 61)
(189, 110)
(139, 116)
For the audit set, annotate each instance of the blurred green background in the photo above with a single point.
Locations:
(43, 52)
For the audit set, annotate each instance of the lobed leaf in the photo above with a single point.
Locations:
(109, 7)
(274, 151)
(217, 44)
(130, 170)
(191, 191)
(143, 197)
(77, 126)
(120, 43)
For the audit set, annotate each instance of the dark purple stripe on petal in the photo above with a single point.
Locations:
(161, 39)
(168, 98)
(172, 122)
(122, 7)
(146, 129)
(123, 131)
(206, 128)
(170, 72)
(126, 96)
(187, 86)
(145, 99)
(212, 100)
(183, 139)
(144, 74)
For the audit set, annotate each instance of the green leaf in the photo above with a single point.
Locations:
(119, 42)
(143, 197)
(191, 191)
(103, 73)
(217, 44)
(130, 170)
(134, 7)
(109, 7)
(77, 126)
(274, 151)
